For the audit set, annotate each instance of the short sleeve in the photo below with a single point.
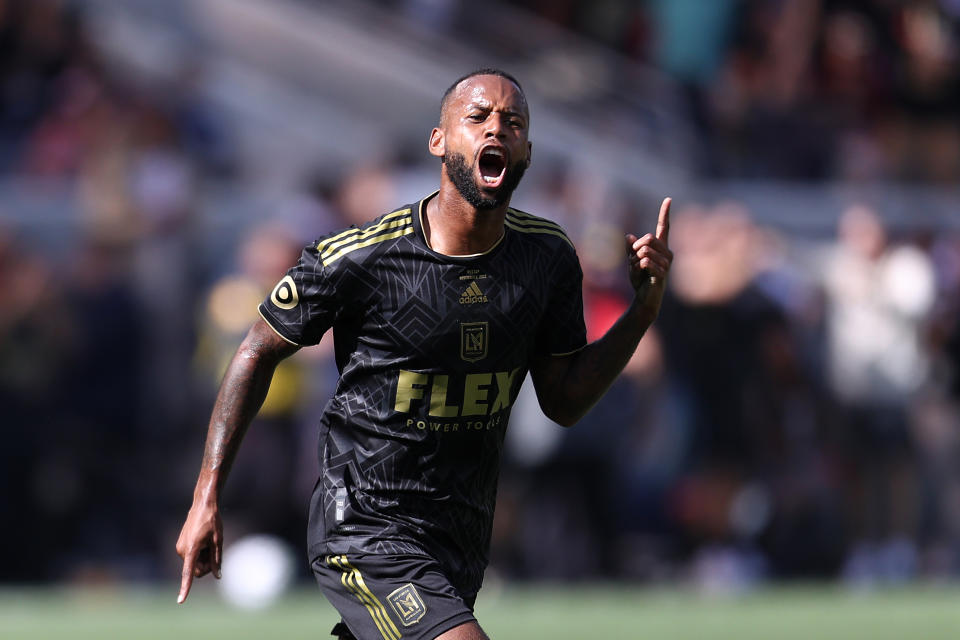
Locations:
(562, 329)
(304, 304)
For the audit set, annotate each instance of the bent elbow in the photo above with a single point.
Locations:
(563, 416)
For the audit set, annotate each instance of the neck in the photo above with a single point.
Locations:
(455, 228)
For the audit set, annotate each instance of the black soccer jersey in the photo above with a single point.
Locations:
(432, 350)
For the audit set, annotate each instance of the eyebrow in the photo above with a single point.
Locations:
(485, 106)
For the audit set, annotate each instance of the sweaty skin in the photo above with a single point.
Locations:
(242, 391)
(484, 111)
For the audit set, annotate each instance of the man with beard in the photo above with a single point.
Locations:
(439, 309)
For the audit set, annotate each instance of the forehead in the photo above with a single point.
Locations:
(488, 91)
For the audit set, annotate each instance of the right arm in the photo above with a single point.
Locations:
(241, 394)
(568, 386)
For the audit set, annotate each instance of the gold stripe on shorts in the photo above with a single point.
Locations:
(352, 580)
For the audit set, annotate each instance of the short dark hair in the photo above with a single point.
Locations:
(486, 71)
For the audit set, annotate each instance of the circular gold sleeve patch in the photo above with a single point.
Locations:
(285, 295)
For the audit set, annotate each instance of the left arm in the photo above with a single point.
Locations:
(568, 386)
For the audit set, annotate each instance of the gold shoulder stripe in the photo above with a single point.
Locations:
(527, 221)
(352, 580)
(403, 231)
(352, 235)
(333, 248)
(527, 229)
(529, 224)
(343, 235)
(522, 217)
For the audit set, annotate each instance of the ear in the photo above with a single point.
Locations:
(529, 153)
(437, 143)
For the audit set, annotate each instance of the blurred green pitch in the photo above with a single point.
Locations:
(582, 613)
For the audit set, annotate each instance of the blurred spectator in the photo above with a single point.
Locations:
(34, 337)
(691, 36)
(712, 298)
(925, 135)
(755, 473)
(262, 495)
(879, 295)
(66, 135)
(38, 41)
(97, 443)
(365, 193)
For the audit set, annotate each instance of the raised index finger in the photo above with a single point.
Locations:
(663, 221)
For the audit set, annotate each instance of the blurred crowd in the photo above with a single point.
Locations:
(801, 89)
(792, 414)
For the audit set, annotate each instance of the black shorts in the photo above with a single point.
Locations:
(391, 597)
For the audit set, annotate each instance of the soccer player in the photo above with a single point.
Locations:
(439, 309)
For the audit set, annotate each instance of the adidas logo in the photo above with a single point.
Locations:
(472, 294)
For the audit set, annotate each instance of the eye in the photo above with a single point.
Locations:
(476, 117)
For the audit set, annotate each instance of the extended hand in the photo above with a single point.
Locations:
(200, 545)
(650, 260)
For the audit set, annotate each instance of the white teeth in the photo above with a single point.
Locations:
(494, 153)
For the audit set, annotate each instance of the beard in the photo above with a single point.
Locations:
(462, 177)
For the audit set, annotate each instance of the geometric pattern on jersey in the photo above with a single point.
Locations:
(431, 350)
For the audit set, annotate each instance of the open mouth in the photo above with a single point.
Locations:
(493, 166)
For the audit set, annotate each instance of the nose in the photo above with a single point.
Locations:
(494, 126)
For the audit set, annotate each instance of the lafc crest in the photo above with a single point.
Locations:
(474, 337)
(407, 604)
